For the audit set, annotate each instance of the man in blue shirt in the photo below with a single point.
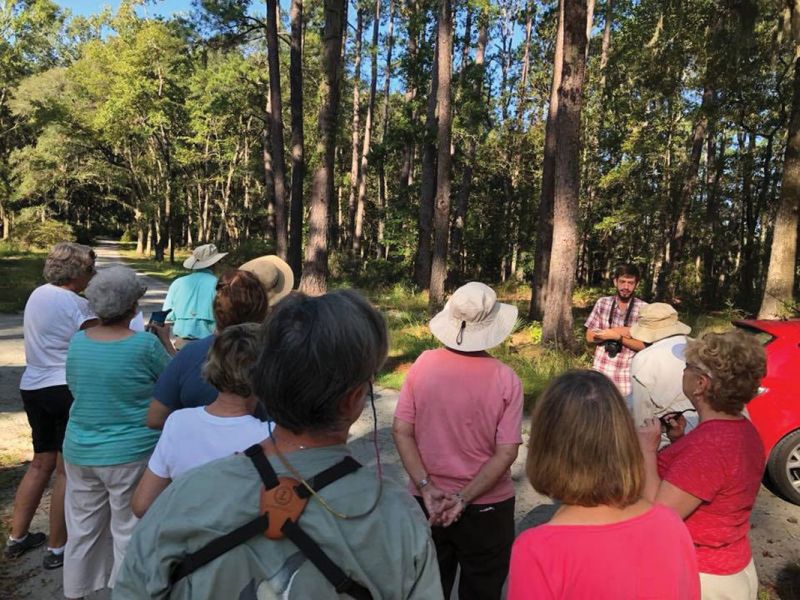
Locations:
(191, 297)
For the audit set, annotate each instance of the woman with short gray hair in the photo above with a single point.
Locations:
(53, 313)
(67, 262)
(111, 371)
(314, 374)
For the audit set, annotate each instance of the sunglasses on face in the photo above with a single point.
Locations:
(673, 415)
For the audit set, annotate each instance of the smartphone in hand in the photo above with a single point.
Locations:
(159, 317)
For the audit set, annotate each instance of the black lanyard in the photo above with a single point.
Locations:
(627, 313)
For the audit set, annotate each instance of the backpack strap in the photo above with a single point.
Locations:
(261, 525)
(342, 583)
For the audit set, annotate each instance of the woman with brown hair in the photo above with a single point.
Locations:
(711, 475)
(605, 542)
(198, 435)
(243, 295)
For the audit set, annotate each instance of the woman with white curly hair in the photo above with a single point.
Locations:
(711, 475)
(53, 313)
(111, 371)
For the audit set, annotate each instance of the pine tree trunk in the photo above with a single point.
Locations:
(606, 46)
(382, 195)
(544, 222)
(667, 280)
(315, 268)
(422, 264)
(441, 222)
(356, 135)
(779, 288)
(298, 137)
(276, 132)
(362, 171)
(716, 153)
(462, 200)
(557, 322)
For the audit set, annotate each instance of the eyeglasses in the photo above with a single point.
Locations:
(703, 370)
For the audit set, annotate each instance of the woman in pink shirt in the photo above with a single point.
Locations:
(711, 475)
(457, 427)
(605, 542)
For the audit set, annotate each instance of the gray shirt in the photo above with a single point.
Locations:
(389, 551)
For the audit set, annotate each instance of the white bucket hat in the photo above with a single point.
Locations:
(203, 257)
(274, 274)
(473, 319)
(657, 321)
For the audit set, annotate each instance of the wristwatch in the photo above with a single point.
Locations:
(422, 483)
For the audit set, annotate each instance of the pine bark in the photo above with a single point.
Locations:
(276, 132)
(422, 264)
(557, 322)
(441, 222)
(315, 268)
(365, 148)
(667, 280)
(356, 132)
(298, 137)
(779, 288)
(544, 221)
(383, 200)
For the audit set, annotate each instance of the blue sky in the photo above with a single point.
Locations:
(158, 7)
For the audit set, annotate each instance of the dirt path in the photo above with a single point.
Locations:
(24, 577)
(775, 535)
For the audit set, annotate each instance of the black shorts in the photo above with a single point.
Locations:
(48, 413)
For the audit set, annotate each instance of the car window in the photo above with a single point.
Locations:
(763, 337)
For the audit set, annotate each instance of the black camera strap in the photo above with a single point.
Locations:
(627, 313)
(290, 529)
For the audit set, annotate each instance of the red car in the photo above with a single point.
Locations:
(775, 412)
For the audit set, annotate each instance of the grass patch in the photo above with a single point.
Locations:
(21, 272)
(406, 314)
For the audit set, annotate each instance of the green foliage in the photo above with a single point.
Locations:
(22, 272)
(31, 231)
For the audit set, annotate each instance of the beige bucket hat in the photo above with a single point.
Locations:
(274, 274)
(203, 257)
(473, 319)
(657, 321)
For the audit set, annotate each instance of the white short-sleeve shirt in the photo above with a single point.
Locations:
(193, 437)
(52, 316)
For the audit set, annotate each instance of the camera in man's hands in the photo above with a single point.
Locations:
(613, 347)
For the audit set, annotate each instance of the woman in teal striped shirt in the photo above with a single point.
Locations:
(111, 371)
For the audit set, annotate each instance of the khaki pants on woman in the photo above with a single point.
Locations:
(739, 586)
(99, 524)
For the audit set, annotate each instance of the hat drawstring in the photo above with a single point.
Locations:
(460, 336)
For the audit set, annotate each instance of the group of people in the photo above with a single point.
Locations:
(222, 470)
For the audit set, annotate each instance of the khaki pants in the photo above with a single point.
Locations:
(739, 586)
(99, 524)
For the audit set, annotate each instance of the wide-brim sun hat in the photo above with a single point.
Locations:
(473, 319)
(656, 322)
(203, 257)
(274, 274)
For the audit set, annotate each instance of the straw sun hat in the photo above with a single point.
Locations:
(657, 321)
(203, 257)
(473, 319)
(274, 274)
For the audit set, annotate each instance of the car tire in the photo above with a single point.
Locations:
(783, 467)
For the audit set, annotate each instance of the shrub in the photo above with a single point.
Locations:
(33, 233)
